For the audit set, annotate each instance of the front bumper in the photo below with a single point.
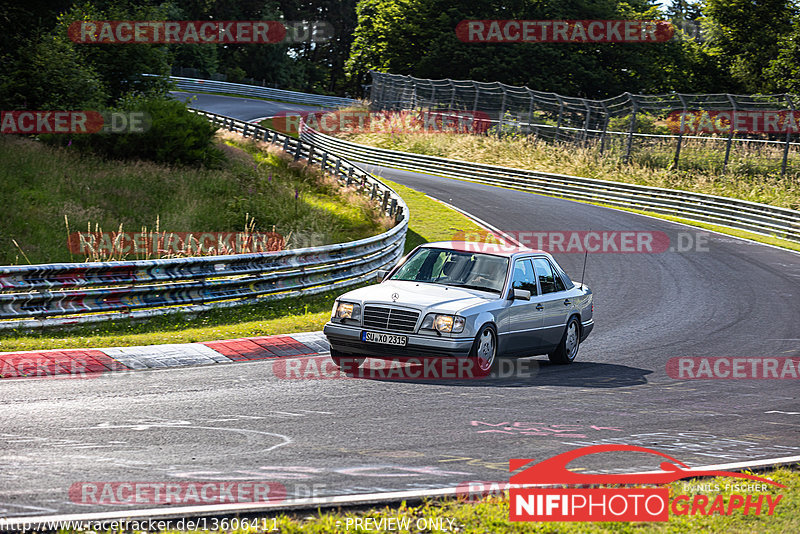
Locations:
(347, 339)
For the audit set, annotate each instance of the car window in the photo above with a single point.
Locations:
(524, 277)
(547, 280)
(564, 277)
(455, 268)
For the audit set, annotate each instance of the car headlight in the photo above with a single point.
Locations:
(443, 323)
(346, 310)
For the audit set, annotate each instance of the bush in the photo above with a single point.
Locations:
(645, 124)
(172, 135)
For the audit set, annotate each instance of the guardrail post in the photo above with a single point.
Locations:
(530, 109)
(399, 215)
(560, 116)
(324, 162)
(385, 199)
(311, 154)
(274, 138)
(680, 134)
(392, 207)
(606, 118)
(502, 112)
(244, 130)
(452, 93)
(631, 128)
(286, 144)
(338, 165)
(786, 146)
(586, 122)
(374, 192)
(729, 142)
(297, 149)
(350, 176)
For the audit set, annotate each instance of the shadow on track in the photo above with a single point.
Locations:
(521, 372)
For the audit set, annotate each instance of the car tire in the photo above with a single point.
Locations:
(346, 362)
(484, 351)
(570, 342)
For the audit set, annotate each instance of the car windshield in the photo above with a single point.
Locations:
(453, 268)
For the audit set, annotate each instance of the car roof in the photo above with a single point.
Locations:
(505, 249)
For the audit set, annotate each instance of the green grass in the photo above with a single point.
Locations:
(430, 221)
(270, 123)
(48, 184)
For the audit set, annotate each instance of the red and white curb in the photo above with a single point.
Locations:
(84, 362)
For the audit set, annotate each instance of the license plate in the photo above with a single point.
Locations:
(386, 339)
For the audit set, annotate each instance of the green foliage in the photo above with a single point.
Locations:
(417, 37)
(645, 124)
(48, 73)
(747, 36)
(120, 66)
(172, 135)
(783, 71)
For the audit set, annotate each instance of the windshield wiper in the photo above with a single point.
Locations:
(479, 288)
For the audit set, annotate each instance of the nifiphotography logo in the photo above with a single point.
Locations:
(638, 503)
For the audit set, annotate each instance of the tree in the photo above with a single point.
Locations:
(417, 37)
(783, 72)
(747, 36)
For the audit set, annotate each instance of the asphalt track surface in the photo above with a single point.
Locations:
(246, 109)
(341, 437)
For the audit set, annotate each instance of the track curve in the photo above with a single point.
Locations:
(363, 436)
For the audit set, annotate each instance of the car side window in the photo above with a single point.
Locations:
(547, 279)
(524, 277)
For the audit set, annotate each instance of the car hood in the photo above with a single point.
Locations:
(422, 296)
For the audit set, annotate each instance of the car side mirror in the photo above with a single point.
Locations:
(380, 275)
(521, 294)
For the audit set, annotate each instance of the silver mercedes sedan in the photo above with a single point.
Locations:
(463, 300)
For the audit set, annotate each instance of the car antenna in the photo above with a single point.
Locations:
(585, 256)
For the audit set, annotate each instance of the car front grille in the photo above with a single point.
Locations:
(391, 319)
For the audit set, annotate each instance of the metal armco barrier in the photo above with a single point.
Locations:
(211, 86)
(53, 294)
(733, 213)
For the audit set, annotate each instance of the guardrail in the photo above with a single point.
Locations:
(69, 293)
(212, 86)
(729, 212)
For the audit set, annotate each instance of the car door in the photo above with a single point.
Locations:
(524, 319)
(554, 300)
